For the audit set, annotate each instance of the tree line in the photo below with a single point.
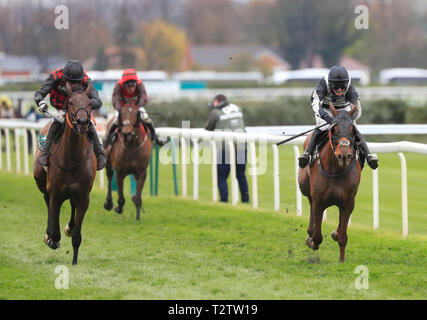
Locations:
(154, 34)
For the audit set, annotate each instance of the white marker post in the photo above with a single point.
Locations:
(404, 195)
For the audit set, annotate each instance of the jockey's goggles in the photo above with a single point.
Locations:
(130, 83)
(339, 85)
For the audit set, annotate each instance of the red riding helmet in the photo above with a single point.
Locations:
(129, 74)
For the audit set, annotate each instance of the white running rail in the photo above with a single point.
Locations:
(185, 135)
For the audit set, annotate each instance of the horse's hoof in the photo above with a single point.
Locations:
(50, 243)
(310, 243)
(67, 231)
(108, 205)
(118, 210)
(334, 235)
(54, 245)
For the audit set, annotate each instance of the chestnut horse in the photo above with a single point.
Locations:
(71, 172)
(332, 180)
(129, 154)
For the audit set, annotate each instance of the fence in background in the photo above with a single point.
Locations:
(181, 137)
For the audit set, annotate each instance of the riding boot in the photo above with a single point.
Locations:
(97, 147)
(44, 156)
(154, 136)
(308, 153)
(108, 139)
(370, 158)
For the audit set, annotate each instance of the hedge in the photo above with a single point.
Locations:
(285, 111)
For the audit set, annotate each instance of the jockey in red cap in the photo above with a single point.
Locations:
(130, 89)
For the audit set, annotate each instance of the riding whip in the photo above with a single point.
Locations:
(300, 134)
(54, 117)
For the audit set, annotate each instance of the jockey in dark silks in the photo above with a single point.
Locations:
(338, 89)
(130, 89)
(55, 86)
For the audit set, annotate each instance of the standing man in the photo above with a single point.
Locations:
(228, 117)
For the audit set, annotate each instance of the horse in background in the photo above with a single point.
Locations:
(333, 179)
(129, 154)
(71, 172)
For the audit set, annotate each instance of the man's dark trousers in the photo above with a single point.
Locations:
(223, 171)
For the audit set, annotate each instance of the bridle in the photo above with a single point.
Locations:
(126, 122)
(341, 141)
(134, 133)
(71, 116)
(73, 123)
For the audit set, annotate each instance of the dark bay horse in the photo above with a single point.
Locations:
(332, 180)
(71, 172)
(129, 154)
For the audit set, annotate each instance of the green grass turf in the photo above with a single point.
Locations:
(389, 186)
(183, 249)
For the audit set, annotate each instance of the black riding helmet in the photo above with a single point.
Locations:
(338, 78)
(73, 71)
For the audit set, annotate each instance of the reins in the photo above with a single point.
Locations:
(72, 123)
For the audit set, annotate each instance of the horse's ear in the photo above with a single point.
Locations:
(335, 129)
(332, 108)
(89, 89)
(353, 110)
(68, 87)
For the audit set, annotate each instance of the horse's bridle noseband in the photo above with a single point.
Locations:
(341, 141)
(73, 122)
(134, 133)
(127, 122)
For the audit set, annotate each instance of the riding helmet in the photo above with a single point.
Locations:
(73, 71)
(338, 77)
(129, 75)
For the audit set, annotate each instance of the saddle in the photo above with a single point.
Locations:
(42, 138)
